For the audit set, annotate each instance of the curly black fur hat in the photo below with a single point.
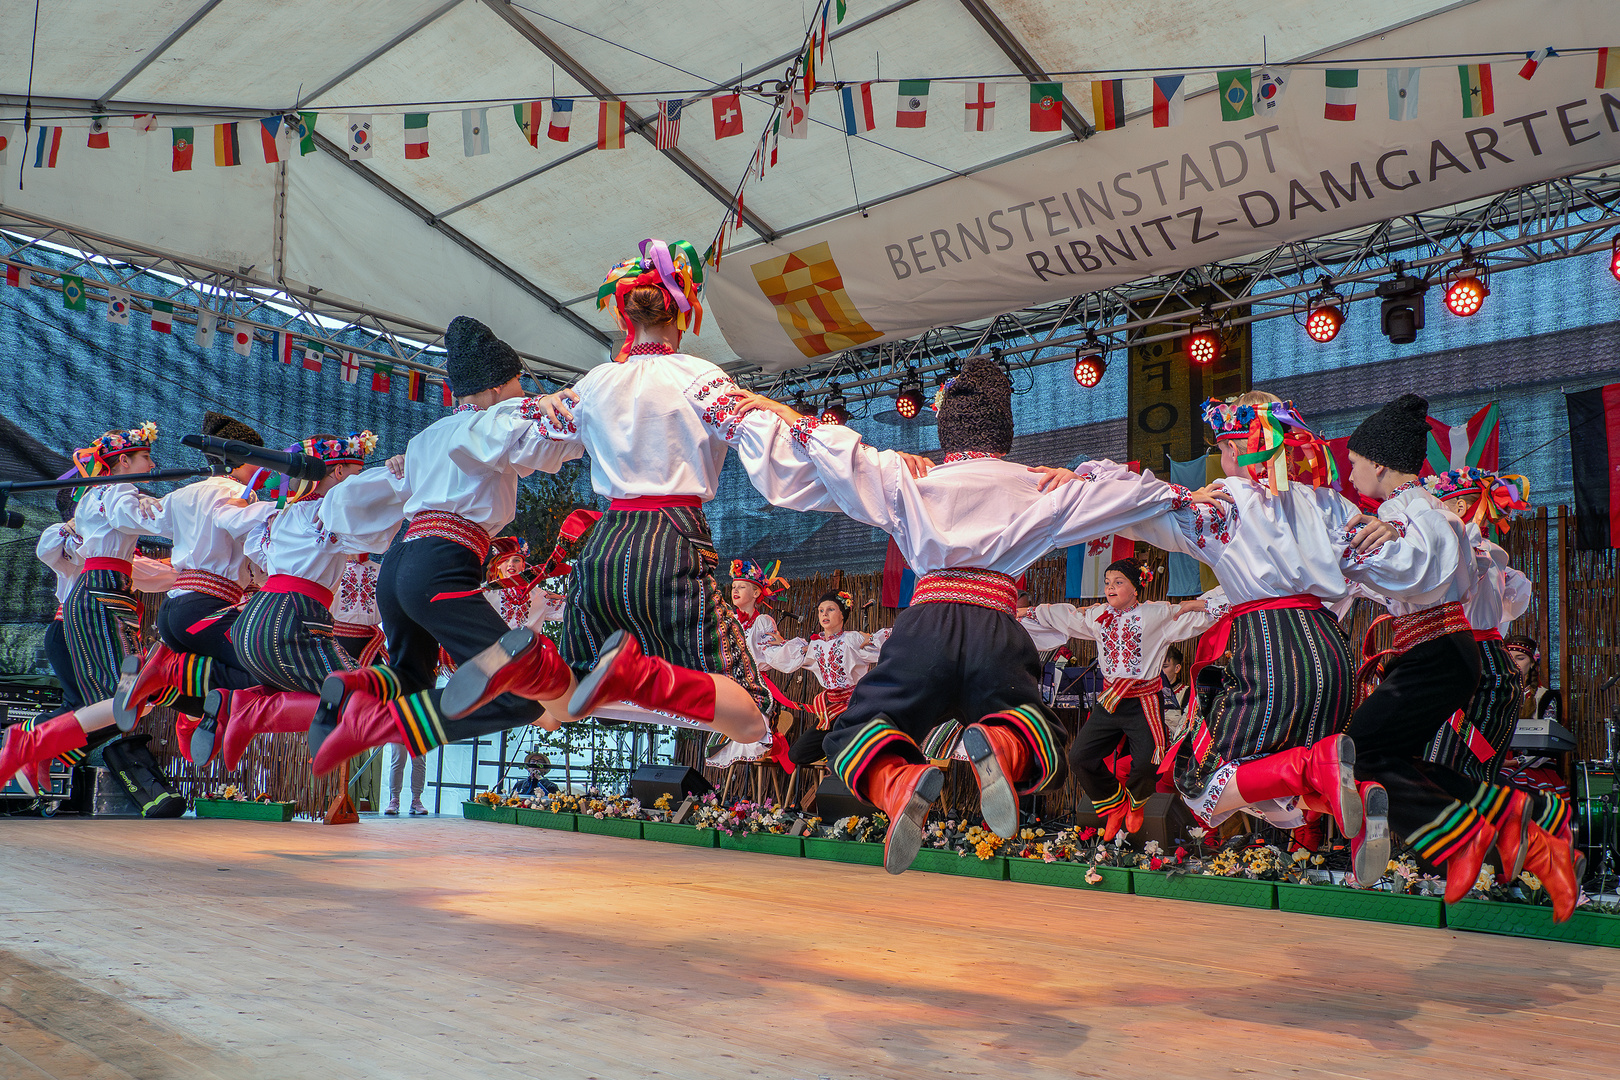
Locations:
(975, 410)
(476, 359)
(1396, 436)
(219, 426)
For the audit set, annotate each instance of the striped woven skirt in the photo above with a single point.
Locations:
(102, 621)
(1289, 683)
(286, 640)
(1493, 711)
(651, 574)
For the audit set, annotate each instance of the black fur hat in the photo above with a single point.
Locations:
(477, 360)
(219, 426)
(1396, 436)
(975, 410)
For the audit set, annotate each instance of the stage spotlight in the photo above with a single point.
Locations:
(1614, 259)
(909, 401)
(1402, 314)
(1203, 343)
(1089, 362)
(1326, 316)
(835, 411)
(1465, 286)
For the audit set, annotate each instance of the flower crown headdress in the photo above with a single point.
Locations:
(1272, 430)
(675, 268)
(1495, 500)
(768, 580)
(96, 459)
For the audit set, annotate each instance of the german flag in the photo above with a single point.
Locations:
(227, 148)
(417, 385)
(1594, 453)
(1108, 104)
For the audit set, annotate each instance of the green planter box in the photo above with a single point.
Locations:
(765, 843)
(477, 811)
(1368, 905)
(936, 861)
(1068, 874)
(1236, 892)
(244, 811)
(665, 833)
(545, 819)
(1522, 920)
(613, 826)
(849, 851)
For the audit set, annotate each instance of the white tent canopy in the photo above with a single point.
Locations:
(520, 237)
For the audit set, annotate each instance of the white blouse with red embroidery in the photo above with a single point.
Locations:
(60, 549)
(762, 633)
(531, 607)
(297, 541)
(838, 662)
(110, 520)
(355, 598)
(1430, 562)
(1262, 546)
(189, 516)
(1130, 644)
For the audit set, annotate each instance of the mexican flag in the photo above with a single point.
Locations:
(912, 110)
(1472, 443)
(416, 136)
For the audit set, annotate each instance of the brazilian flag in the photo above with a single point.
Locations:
(1237, 94)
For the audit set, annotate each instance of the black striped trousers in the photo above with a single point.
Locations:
(285, 639)
(1494, 710)
(102, 622)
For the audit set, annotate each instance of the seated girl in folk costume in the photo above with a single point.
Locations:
(837, 657)
(752, 586)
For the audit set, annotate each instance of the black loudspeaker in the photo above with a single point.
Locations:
(834, 800)
(1165, 818)
(677, 781)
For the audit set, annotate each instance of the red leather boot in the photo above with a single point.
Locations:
(904, 792)
(522, 662)
(1513, 834)
(142, 680)
(1550, 859)
(1462, 869)
(185, 727)
(23, 749)
(1312, 835)
(1325, 769)
(366, 722)
(1001, 762)
(246, 714)
(624, 673)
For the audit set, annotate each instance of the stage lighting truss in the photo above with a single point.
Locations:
(1324, 314)
(1465, 285)
(836, 410)
(909, 401)
(1203, 342)
(1090, 362)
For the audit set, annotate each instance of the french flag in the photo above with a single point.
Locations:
(858, 115)
(1534, 62)
(562, 117)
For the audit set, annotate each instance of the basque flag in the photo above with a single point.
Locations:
(1474, 443)
(1594, 453)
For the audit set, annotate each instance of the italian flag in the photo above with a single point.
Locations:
(1473, 443)
(416, 136)
(163, 316)
(1341, 94)
(912, 110)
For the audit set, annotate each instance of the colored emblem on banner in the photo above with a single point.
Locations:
(811, 304)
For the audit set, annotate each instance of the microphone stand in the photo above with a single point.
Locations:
(8, 487)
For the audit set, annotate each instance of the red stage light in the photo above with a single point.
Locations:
(1465, 295)
(908, 403)
(1203, 346)
(835, 414)
(1089, 369)
(1323, 323)
(1614, 259)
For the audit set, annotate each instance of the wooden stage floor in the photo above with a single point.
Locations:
(450, 949)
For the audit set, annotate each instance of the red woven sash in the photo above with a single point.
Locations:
(968, 585)
(1117, 690)
(287, 583)
(122, 566)
(201, 581)
(656, 502)
(448, 526)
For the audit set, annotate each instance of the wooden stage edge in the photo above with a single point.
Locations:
(451, 949)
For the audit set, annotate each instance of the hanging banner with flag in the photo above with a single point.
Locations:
(562, 118)
(47, 147)
(242, 339)
(610, 125)
(19, 277)
(349, 369)
(73, 292)
(380, 381)
(1473, 444)
(314, 355)
(1594, 454)
(528, 120)
(728, 115)
(269, 131)
(856, 100)
(118, 307)
(1186, 572)
(899, 580)
(99, 139)
(183, 139)
(1108, 104)
(1075, 218)
(415, 385)
(474, 132)
(282, 343)
(416, 135)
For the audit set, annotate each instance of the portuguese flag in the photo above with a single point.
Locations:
(1594, 453)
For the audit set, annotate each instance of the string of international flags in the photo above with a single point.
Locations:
(290, 348)
(1244, 93)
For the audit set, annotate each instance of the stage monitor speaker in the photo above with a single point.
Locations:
(834, 800)
(677, 781)
(1165, 818)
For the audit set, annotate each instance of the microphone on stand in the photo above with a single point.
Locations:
(234, 453)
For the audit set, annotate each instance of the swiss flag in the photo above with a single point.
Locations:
(727, 116)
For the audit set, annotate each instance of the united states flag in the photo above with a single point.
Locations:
(669, 124)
